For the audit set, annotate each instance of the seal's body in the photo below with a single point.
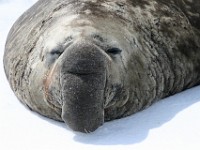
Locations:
(87, 61)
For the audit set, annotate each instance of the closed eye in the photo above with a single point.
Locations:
(114, 51)
(53, 55)
(56, 52)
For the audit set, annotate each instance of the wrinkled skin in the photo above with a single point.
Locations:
(86, 61)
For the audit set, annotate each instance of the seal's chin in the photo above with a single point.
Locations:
(83, 79)
(82, 119)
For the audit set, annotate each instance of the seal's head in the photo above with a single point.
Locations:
(85, 70)
(87, 61)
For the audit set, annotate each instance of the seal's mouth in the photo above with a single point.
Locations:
(83, 79)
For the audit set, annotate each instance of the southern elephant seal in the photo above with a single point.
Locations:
(87, 61)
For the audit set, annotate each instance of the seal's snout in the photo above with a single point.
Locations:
(83, 76)
(84, 59)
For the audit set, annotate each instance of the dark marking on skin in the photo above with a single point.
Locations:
(139, 3)
(45, 22)
(98, 37)
(187, 45)
(191, 10)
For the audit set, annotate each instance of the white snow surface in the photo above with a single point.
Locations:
(170, 124)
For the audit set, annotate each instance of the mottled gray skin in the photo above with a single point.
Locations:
(87, 61)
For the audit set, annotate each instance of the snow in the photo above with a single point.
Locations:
(173, 123)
